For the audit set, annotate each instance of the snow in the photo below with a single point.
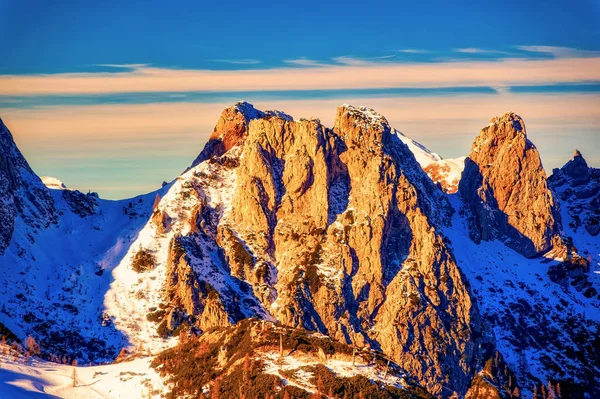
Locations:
(501, 278)
(447, 172)
(422, 154)
(63, 271)
(370, 116)
(53, 183)
(132, 294)
(35, 378)
(341, 366)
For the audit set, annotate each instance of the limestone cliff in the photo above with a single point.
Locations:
(505, 190)
(340, 233)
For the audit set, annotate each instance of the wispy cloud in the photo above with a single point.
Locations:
(476, 50)
(560, 52)
(412, 51)
(346, 73)
(304, 62)
(351, 61)
(124, 66)
(246, 61)
(502, 89)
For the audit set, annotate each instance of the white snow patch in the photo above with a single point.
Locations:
(36, 378)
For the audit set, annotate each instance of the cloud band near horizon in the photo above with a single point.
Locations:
(305, 76)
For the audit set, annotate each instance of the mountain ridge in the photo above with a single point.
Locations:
(338, 230)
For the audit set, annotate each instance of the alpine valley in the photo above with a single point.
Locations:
(296, 260)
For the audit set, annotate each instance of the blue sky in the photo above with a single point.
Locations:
(70, 36)
(70, 70)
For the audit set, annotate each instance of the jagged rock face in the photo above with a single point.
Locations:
(578, 188)
(231, 129)
(81, 204)
(495, 381)
(577, 169)
(505, 190)
(188, 295)
(340, 236)
(22, 193)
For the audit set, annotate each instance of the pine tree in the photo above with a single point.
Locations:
(32, 346)
(551, 393)
(281, 346)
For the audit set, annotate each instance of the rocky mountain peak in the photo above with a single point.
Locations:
(505, 190)
(361, 126)
(232, 129)
(510, 118)
(577, 169)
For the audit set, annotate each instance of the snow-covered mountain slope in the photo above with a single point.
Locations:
(445, 172)
(133, 295)
(422, 154)
(53, 281)
(34, 378)
(543, 329)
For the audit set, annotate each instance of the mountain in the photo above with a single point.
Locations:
(477, 283)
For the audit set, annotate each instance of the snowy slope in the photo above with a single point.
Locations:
(293, 370)
(446, 172)
(423, 155)
(21, 379)
(525, 308)
(132, 295)
(52, 281)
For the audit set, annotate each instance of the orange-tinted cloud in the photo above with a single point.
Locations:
(353, 74)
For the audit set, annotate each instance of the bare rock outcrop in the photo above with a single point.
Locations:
(190, 298)
(231, 129)
(578, 188)
(505, 191)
